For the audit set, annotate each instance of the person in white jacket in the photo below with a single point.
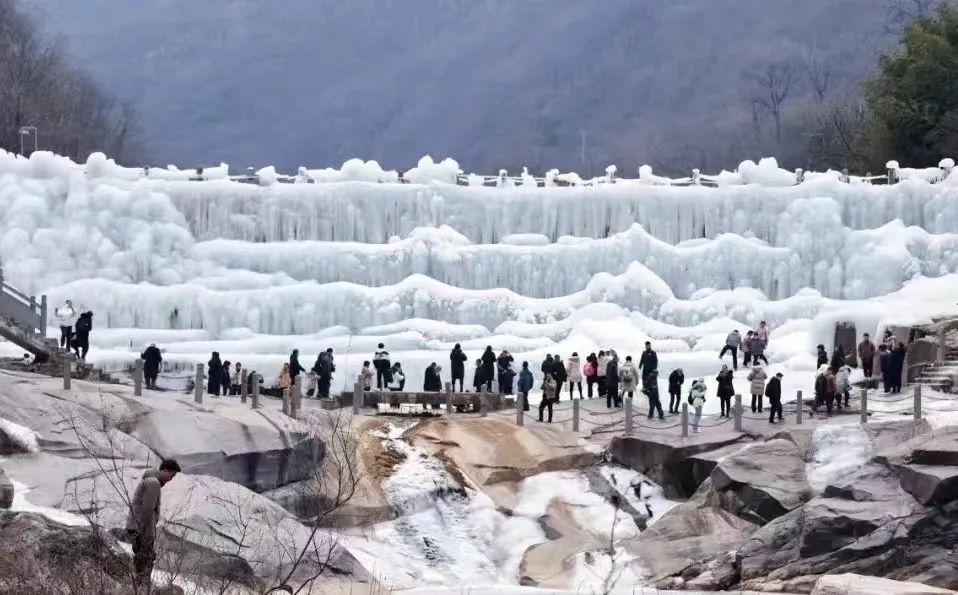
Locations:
(574, 373)
(628, 378)
(757, 378)
(66, 317)
(843, 385)
(367, 374)
(602, 362)
(697, 401)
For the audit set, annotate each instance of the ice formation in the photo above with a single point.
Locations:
(355, 258)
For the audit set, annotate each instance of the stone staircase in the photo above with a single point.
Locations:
(941, 376)
(23, 321)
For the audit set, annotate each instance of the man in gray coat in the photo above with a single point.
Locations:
(144, 514)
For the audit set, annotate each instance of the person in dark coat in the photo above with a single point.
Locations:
(547, 366)
(488, 367)
(612, 383)
(838, 358)
(214, 374)
(225, 378)
(151, 365)
(822, 357)
(559, 373)
(457, 366)
(898, 361)
(887, 366)
(676, 380)
(773, 390)
(726, 390)
(431, 382)
(477, 378)
(294, 368)
(81, 334)
(381, 365)
(650, 386)
(504, 372)
(525, 385)
(649, 362)
(591, 371)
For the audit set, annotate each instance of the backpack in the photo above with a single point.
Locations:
(627, 375)
(83, 325)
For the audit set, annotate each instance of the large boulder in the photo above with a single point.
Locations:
(766, 478)
(678, 465)
(38, 555)
(692, 532)
(857, 584)
(927, 465)
(258, 457)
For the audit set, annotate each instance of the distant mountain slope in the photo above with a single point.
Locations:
(561, 83)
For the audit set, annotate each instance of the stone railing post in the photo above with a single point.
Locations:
(67, 370)
(295, 400)
(243, 385)
(575, 414)
(483, 402)
(520, 419)
(799, 409)
(738, 413)
(940, 355)
(286, 401)
(685, 420)
(864, 401)
(198, 384)
(628, 417)
(448, 398)
(138, 378)
(917, 402)
(255, 396)
(357, 397)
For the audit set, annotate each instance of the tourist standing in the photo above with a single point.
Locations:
(525, 385)
(66, 317)
(726, 390)
(488, 367)
(382, 365)
(774, 393)
(601, 364)
(898, 361)
(143, 516)
(612, 383)
(822, 357)
(477, 378)
(548, 396)
(757, 379)
(747, 348)
(590, 371)
(432, 383)
(397, 378)
(697, 401)
(676, 380)
(151, 365)
(573, 371)
(843, 386)
(650, 386)
(294, 368)
(649, 362)
(559, 373)
(838, 358)
(214, 374)
(366, 376)
(457, 366)
(285, 380)
(236, 379)
(628, 378)
(505, 372)
(81, 335)
(759, 343)
(866, 354)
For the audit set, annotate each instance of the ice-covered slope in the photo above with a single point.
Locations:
(288, 261)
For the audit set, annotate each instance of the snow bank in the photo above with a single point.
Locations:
(24, 438)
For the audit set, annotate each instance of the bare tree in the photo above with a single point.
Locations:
(774, 85)
(818, 70)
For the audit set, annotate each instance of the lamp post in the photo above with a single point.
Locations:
(28, 131)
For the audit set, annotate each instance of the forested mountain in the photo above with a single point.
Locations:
(545, 83)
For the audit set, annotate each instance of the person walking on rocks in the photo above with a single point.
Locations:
(758, 348)
(774, 393)
(697, 401)
(757, 379)
(488, 367)
(381, 364)
(612, 383)
(66, 317)
(151, 365)
(590, 371)
(726, 390)
(866, 354)
(548, 396)
(733, 342)
(214, 374)
(81, 335)
(601, 364)
(143, 516)
(457, 366)
(525, 385)
(650, 386)
(573, 371)
(676, 380)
